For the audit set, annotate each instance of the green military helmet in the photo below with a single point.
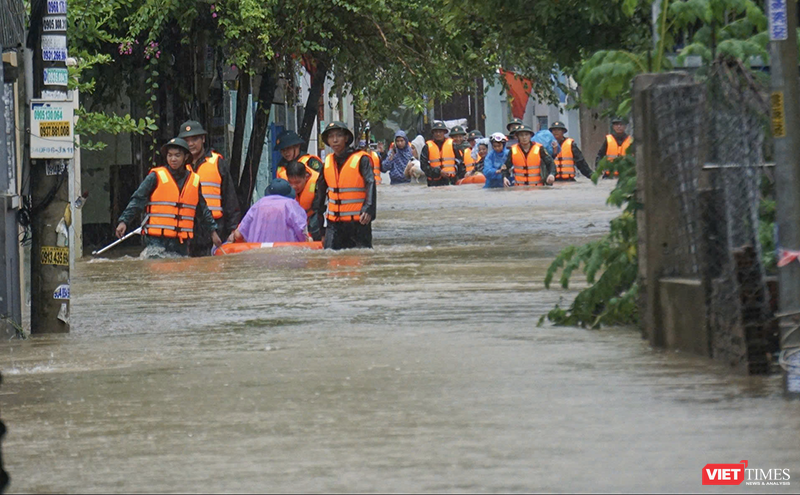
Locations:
(337, 125)
(513, 123)
(619, 120)
(476, 134)
(558, 125)
(175, 142)
(458, 131)
(512, 129)
(522, 128)
(191, 128)
(439, 126)
(288, 139)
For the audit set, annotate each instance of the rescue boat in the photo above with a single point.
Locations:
(472, 179)
(238, 247)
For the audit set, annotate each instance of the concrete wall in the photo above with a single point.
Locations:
(96, 166)
(593, 132)
(683, 315)
(674, 310)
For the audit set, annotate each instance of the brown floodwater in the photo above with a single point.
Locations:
(413, 367)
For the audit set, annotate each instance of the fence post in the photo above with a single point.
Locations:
(656, 200)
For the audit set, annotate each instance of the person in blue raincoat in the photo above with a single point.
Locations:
(397, 159)
(494, 167)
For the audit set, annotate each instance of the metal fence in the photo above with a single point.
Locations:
(711, 141)
(741, 322)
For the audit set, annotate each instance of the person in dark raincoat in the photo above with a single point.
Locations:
(215, 183)
(347, 182)
(441, 161)
(570, 157)
(170, 226)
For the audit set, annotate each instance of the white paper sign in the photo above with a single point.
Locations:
(778, 22)
(54, 23)
(56, 6)
(54, 41)
(61, 292)
(53, 95)
(54, 54)
(52, 129)
(55, 167)
(54, 76)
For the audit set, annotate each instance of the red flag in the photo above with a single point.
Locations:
(520, 90)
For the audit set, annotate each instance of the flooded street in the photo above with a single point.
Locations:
(413, 367)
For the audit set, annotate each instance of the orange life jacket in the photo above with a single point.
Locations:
(565, 161)
(376, 165)
(614, 150)
(469, 162)
(170, 213)
(444, 158)
(306, 197)
(346, 189)
(211, 183)
(527, 169)
(304, 160)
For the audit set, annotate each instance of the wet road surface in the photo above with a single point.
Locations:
(413, 367)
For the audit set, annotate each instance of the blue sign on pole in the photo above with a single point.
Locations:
(778, 23)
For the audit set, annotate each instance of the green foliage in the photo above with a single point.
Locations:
(92, 26)
(708, 28)
(541, 40)
(713, 28)
(766, 235)
(92, 123)
(610, 264)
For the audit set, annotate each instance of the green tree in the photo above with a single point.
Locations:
(91, 25)
(714, 28)
(730, 28)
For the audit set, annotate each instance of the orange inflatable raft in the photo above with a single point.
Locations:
(238, 247)
(472, 179)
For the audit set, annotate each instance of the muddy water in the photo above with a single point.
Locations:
(416, 366)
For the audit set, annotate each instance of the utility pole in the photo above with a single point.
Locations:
(655, 14)
(51, 147)
(785, 120)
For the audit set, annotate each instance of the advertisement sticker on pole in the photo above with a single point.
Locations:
(52, 129)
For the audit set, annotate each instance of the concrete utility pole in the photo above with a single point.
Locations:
(655, 14)
(10, 297)
(51, 146)
(785, 103)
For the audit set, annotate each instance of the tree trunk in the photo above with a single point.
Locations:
(242, 93)
(313, 101)
(266, 92)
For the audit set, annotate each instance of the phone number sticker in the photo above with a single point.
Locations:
(56, 6)
(55, 255)
(54, 54)
(54, 129)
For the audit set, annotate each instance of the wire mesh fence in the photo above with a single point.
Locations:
(743, 331)
(711, 139)
(678, 110)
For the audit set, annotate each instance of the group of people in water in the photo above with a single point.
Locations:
(190, 204)
(518, 157)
